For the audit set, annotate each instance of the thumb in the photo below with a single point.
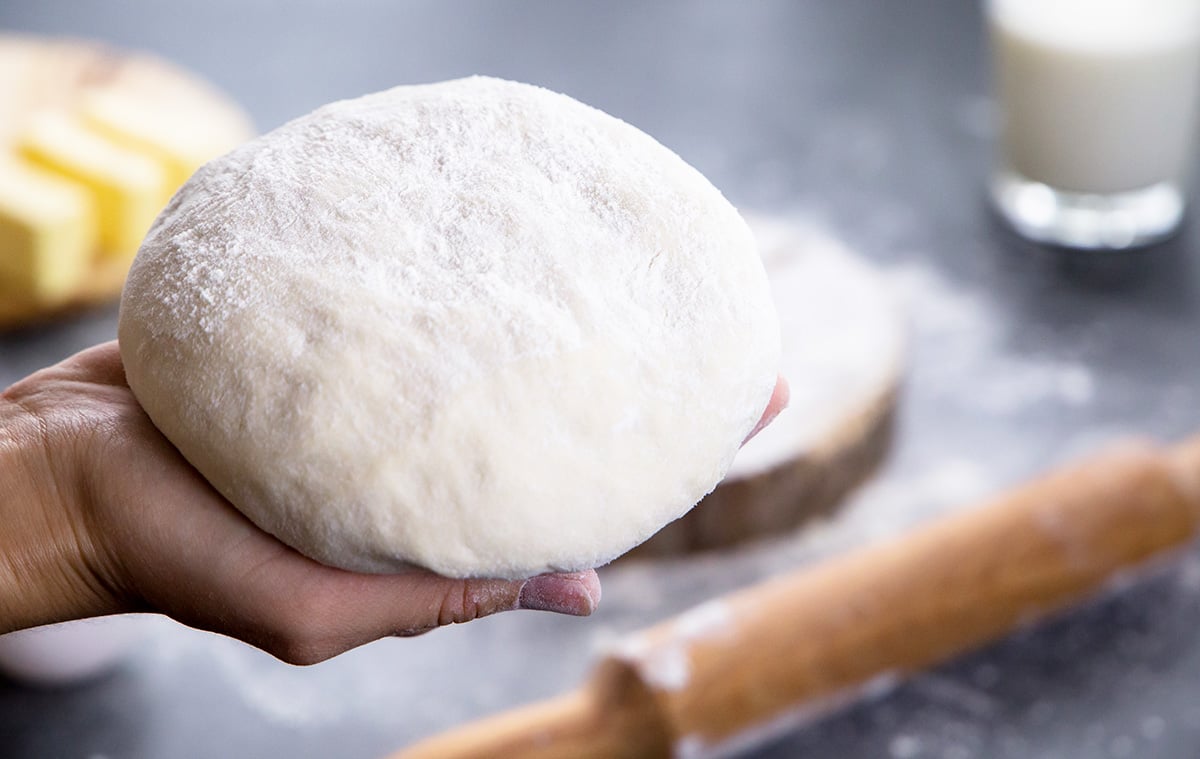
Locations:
(303, 612)
(445, 601)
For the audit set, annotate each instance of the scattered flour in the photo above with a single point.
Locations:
(963, 351)
(664, 664)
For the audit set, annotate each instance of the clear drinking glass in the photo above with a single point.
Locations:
(1098, 108)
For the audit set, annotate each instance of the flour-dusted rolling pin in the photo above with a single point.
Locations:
(716, 676)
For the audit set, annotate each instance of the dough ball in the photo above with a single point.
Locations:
(474, 326)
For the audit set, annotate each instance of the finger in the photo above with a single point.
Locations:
(446, 601)
(100, 364)
(304, 613)
(778, 402)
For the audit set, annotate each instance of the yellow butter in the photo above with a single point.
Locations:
(47, 234)
(128, 188)
(180, 137)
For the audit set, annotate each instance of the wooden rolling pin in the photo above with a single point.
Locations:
(799, 645)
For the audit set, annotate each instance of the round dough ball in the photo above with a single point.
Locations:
(475, 326)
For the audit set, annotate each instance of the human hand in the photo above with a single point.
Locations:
(103, 516)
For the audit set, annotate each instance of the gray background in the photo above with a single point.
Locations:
(869, 120)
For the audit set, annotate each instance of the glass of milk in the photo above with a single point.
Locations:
(1098, 106)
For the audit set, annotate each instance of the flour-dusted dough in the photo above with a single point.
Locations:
(475, 326)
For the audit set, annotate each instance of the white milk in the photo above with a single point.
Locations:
(1097, 96)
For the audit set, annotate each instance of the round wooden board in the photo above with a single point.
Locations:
(844, 342)
(46, 73)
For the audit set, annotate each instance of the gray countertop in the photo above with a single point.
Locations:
(868, 119)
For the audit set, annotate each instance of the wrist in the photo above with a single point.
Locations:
(47, 559)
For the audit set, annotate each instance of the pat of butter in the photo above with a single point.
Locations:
(181, 141)
(129, 188)
(47, 234)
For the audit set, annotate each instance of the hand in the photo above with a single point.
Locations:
(102, 515)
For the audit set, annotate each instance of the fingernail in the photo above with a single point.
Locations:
(780, 398)
(576, 594)
(762, 424)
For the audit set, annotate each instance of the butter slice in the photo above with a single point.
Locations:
(128, 187)
(182, 139)
(47, 234)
